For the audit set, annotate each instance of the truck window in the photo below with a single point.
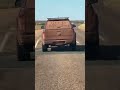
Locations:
(58, 24)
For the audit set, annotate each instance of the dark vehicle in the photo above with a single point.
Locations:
(25, 30)
(91, 31)
(58, 32)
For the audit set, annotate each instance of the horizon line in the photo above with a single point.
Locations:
(70, 20)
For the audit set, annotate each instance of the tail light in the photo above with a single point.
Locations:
(43, 35)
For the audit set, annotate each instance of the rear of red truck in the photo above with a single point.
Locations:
(58, 32)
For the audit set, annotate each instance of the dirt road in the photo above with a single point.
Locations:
(61, 68)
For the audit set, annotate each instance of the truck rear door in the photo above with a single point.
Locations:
(58, 30)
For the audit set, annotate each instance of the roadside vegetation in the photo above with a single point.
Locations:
(39, 25)
(82, 27)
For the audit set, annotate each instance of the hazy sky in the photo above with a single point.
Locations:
(75, 9)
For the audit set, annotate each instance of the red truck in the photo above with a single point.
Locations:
(58, 32)
(25, 31)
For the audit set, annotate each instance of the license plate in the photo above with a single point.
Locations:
(59, 43)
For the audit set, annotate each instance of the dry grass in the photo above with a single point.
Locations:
(81, 27)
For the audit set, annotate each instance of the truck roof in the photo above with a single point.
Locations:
(59, 18)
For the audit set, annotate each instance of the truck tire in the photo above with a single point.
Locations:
(73, 45)
(22, 53)
(44, 48)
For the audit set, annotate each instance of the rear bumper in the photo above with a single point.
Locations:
(58, 42)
